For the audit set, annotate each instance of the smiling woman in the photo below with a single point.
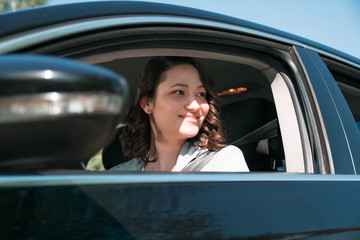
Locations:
(175, 119)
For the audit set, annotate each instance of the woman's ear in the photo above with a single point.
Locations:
(146, 105)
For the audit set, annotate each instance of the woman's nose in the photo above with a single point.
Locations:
(192, 104)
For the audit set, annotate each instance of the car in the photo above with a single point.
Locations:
(67, 74)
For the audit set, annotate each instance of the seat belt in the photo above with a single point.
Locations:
(269, 130)
(199, 162)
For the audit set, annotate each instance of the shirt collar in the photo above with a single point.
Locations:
(187, 153)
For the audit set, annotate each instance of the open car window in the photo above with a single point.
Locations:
(261, 110)
(258, 111)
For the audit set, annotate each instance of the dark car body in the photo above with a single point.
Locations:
(297, 124)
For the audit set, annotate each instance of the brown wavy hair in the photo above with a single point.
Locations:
(137, 139)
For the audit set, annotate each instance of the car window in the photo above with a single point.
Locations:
(256, 109)
(261, 112)
(247, 105)
(348, 80)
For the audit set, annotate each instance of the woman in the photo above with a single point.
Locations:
(175, 119)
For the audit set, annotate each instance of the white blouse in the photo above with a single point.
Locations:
(228, 159)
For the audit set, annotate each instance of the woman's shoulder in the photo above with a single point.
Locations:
(229, 158)
(131, 165)
(230, 149)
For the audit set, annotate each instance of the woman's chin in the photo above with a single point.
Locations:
(189, 132)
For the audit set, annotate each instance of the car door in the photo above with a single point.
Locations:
(297, 187)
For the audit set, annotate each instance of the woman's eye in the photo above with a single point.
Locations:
(178, 92)
(202, 94)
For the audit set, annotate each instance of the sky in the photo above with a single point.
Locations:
(335, 23)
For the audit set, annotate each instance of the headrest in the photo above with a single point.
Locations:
(241, 118)
(113, 154)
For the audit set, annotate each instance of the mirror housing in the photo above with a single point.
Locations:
(55, 113)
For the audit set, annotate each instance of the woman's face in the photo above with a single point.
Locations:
(179, 107)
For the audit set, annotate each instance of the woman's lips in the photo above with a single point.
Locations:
(190, 117)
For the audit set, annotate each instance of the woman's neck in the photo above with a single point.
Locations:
(167, 154)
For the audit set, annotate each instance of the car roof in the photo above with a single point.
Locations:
(24, 20)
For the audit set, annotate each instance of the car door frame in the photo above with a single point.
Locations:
(335, 120)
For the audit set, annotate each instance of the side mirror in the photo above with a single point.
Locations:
(55, 112)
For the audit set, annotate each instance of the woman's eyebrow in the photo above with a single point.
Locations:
(185, 85)
(179, 85)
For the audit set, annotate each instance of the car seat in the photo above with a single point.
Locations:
(113, 154)
(252, 126)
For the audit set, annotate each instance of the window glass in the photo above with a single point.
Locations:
(348, 80)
